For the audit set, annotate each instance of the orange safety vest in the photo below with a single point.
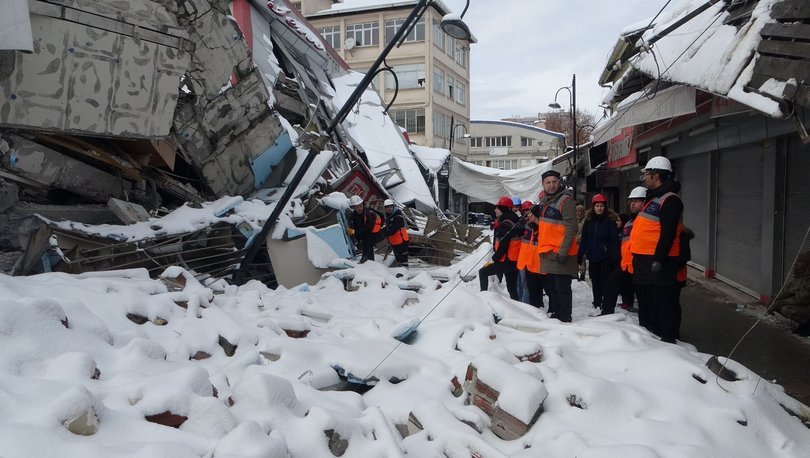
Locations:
(682, 273)
(552, 228)
(377, 222)
(627, 255)
(513, 251)
(399, 237)
(529, 258)
(647, 229)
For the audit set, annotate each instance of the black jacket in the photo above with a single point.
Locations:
(508, 226)
(669, 216)
(393, 222)
(600, 238)
(363, 223)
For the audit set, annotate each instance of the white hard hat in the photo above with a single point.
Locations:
(658, 163)
(388, 202)
(355, 200)
(639, 192)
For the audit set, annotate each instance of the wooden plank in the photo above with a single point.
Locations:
(90, 151)
(783, 69)
(785, 48)
(791, 31)
(791, 10)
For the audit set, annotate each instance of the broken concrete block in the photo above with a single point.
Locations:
(167, 419)
(227, 347)
(158, 321)
(137, 319)
(200, 355)
(84, 424)
(337, 445)
(128, 212)
(512, 398)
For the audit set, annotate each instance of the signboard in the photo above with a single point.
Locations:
(358, 184)
(621, 149)
(499, 151)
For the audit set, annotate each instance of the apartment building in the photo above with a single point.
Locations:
(511, 145)
(432, 68)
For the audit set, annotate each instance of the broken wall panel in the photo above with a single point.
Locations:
(92, 75)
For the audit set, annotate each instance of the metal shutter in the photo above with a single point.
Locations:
(797, 203)
(694, 177)
(739, 217)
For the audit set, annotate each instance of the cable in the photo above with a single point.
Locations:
(534, 204)
(773, 303)
(659, 13)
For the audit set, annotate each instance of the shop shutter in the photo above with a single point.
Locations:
(694, 172)
(797, 203)
(739, 217)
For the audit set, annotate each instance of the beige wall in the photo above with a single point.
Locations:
(422, 52)
(544, 145)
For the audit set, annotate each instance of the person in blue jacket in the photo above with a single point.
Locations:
(600, 245)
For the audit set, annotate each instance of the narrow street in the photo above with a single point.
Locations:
(712, 323)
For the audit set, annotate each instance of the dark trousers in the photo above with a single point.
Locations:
(506, 268)
(659, 310)
(367, 247)
(559, 296)
(599, 271)
(535, 283)
(618, 282)
(400, 252)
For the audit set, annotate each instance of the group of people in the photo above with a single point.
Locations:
(644, 253)
(368, 228)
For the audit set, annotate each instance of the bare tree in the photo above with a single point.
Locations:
(560, 121)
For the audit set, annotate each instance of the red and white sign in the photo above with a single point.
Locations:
(621, 149)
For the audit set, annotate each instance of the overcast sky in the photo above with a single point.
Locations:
(527, 49)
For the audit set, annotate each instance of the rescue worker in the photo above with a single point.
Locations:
(397, 232)
(364, 226)
(621, 280)
(600, 244)
(525, 246)
(655, 245)
(580, 222)
(557, 245)
(529, 258)
(794, 302)
(506, 246)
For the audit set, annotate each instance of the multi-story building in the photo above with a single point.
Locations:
(432, 68)
(510, 145)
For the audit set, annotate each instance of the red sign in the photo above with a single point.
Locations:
(358, 184)
(621, 149)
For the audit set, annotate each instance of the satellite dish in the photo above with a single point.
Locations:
(350, 43)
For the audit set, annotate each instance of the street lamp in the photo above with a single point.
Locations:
(454, 25)
(315, 142)
(453, 134)
(572, 103)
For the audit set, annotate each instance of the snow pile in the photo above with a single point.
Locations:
(116, 364)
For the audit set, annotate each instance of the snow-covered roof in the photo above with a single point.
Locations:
(381, 139)
(712, 51)
(486, 184)
(519, 126)
(432, 158)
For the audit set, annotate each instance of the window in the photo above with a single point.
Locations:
(476, 142)
(366, 34)
(461, 93)
(451, 83)
(416, 34)
(498, 141)
(410, 76)
(438, 80)
(441, 125)
(449, 45)
(526, 141)
(461, 54)
(413, 120)
(438, 35)
(331, 35)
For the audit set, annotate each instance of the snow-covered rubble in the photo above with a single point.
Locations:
(213, 371)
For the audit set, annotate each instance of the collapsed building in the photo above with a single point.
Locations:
(117, 113)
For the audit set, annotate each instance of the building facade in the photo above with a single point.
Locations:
(510, 145)
(432, 68)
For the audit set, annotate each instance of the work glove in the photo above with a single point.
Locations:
(655, 267)
(562, 258)
(350, 231)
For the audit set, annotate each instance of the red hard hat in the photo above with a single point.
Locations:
(527, 204)
(504, 201)
(599, 198)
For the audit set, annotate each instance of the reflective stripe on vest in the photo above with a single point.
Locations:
(377, 223)
(647, 229)
(552, 228)
(400, 236)
(627, 256)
